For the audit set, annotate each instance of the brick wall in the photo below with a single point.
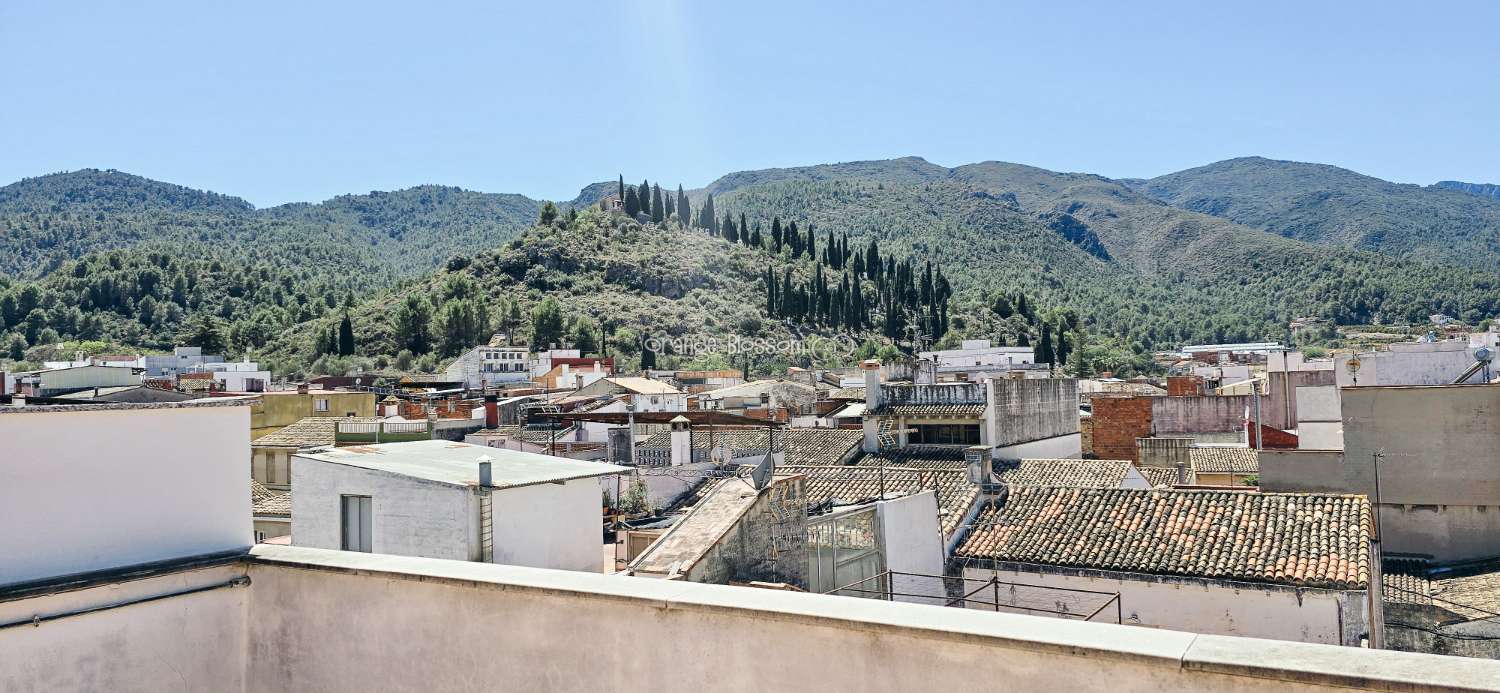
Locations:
(1117, 422)
(1086, 435)
(1184, 385)
(1275, 438)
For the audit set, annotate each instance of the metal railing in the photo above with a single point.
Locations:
(991, 594)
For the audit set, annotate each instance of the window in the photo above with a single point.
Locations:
(356, 516)
(945, 434)
(320, 405)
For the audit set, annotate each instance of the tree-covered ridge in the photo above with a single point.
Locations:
(1334, 206)
(46, 221)
(1205, 281)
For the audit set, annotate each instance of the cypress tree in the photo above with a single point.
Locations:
(1044, 345)
(643, 195)
(730, 233)
(744, 230)
(632, 203)
(658, 211)
(684, 209)
(775, 234)
(755, 239)
(872, 260)
(707, 218)
(622, 188)
(346, 335)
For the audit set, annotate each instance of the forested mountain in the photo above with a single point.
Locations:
(1480, 189)
(1334, 206)
(49, 220)
(1073, 263)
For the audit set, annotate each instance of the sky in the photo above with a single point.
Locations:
(280, 102)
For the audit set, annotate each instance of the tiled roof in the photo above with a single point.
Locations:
(1312, 540)
(1470, 590)
(265, 501)
(801, 445)
(1159, 477)
(847, 393)
(644, 386)
(848, 484)
(1224, 460)
(1404, 581)
(967, 411)
(917, 456)
(1029, 472)
(1064, 472)
(309, 432)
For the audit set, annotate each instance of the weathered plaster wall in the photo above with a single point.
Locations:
(194, 642)
(1027, 410)
(1173, 415)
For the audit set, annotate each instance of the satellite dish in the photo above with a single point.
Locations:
(761, 475)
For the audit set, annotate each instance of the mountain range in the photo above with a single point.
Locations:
(1222, 252)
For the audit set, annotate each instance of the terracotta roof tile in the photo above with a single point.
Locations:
(1224, 460)
(958, 410)
(312, 431)
(265, 501)
(1312, 540)
(848, 484)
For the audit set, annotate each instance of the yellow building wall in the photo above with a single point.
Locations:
(277, 410)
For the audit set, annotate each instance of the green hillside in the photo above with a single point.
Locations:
(1328, 205)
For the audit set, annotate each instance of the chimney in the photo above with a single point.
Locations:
(682, 441)
(1182, 473)
(491, 411)
(981, 468)
(871, 368)
(486, 477)
(301, 388)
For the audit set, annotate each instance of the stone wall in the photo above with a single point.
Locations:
(1028, 410)
(768, 544)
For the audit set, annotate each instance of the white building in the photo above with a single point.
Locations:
(180, 360)
(647, 394)
(240, 376)
(543, 360)
(435, 499)
(491, 365)
(978, 352)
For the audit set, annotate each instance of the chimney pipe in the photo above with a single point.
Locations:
(491, 411)
(486, 476)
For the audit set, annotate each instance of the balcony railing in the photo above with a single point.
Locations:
(363, 432)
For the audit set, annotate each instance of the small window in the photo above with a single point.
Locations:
(356, 521)
(320, 405)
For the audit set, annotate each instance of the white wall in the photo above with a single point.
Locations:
(550, 526)
(103, 488)
(408, 517)
(1212, 607)
(1065, 447)
(192, 642)
(913, 543)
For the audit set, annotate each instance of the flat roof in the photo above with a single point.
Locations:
(457, 464)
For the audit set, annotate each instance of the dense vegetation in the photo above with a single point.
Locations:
(877, 256)
(1330, 205)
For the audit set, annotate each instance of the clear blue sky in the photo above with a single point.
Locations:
(280, 101)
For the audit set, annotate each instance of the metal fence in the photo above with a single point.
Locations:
(989, 594)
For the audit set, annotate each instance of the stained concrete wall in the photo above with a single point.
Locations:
(769, 543)
(1437, 363)
(1439, 485)
(328, 623)
(1219, 414)
(194, 642)
(92, 488)
(1027, 410)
